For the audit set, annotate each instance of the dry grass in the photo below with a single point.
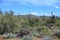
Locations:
(35, 38)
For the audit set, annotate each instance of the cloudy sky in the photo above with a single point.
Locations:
(35, 7)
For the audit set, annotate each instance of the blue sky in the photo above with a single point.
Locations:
(34, 7)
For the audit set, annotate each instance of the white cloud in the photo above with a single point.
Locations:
(46, 14)
(39, 2)
(31, 2)
(42, 14)
(34, 13)
(57, 7)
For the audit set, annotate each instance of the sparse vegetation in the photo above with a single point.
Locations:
(25, 25)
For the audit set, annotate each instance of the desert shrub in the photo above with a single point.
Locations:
(38, 32)
(47, 31)
(28, 37)
(8, 35)
(24, 31)
(56, 35)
